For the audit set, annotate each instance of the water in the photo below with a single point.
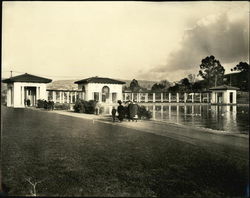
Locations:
(234, 119)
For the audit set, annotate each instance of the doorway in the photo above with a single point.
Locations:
(219, 97)
(231, 97)
(105, 94)
(30, 96)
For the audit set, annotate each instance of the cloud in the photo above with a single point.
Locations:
(221, 35)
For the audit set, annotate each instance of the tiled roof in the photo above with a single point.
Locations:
(99, 80)
(224, 87)
(27, 78)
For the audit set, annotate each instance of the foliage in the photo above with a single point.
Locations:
(174, 88)
(82, 106)
(157, 87)
(134, 85)
(40, 103)
(191, 78)
(162, 86)
(143, 113)
(242, 67)
(242, 79)
(211, 71)
(62, 106)
(45, 104)
(198, 86)
(185, 85)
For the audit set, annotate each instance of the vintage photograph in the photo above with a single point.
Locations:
(125, 99)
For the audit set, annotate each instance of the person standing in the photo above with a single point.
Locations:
(135, 108)
(133, 111)
(121, 111)
(113, 114)
(130, 112)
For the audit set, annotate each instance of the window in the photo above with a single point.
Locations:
(114, 97)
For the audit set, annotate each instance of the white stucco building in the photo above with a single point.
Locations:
(224, 94)
(104, 90)
(25, 87)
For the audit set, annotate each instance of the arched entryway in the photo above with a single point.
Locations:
(105, 94)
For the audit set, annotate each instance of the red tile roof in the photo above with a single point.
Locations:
(27, 78)
(99, 80)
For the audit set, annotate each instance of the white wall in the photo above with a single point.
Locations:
(18, 92)
(97, 87)
(10, 98)
(225, 96)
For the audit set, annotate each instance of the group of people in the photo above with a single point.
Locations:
(130, 111)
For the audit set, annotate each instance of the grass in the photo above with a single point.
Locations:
(75, 157)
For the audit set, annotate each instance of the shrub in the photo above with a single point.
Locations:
(40, 103)
(82, 106)
(62, 106)
(143, 113)
(45, 104)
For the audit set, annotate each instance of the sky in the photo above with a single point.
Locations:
(122, 40)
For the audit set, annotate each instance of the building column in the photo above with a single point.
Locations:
(146, 97)
(192, 97)
(235, 97)
(71, 97)
(139, 97)
(177, 97)
(153, 97)
(208, 98)
(132, 96)
(60, 97)
(9, 97)
(22, 95)
(161, 97)
(63, 98)
(200, 98)
(100, 96)
(37, 97)
(169, 97)
(185, 97)
(54, 96)
(75, 95)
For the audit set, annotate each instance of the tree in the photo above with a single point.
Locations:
(174, 88)
(191, 78)
(157, 87)
(242, 67)
(162, 86)
(243, 77)
(165, 83)
(211, 71)
(134, 85)
(185, 85)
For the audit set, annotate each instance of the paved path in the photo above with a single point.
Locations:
(207, 138)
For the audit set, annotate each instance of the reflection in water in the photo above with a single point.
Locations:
(218, 117)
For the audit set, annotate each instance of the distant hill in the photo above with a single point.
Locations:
(69, 84)
(143, 83)
(63, 85)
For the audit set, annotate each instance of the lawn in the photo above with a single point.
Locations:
(76, 157)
